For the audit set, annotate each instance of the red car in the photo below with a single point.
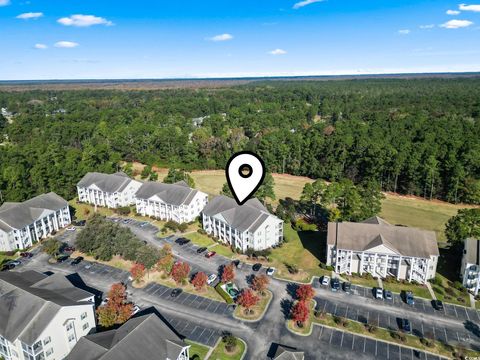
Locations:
(26, 254)
(210, 254)
(69, 248)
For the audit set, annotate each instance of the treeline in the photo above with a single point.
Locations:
(418, 137)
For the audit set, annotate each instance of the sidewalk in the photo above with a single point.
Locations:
(430, 290)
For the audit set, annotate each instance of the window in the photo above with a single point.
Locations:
(69, 326)
(71, 337)
(49, 352)
(85, 326)
(47, 340)
(83, 316)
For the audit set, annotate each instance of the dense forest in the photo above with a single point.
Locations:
(412, 136)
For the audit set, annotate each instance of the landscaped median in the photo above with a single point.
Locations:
(255, 313)
(226, 348)
(374, 332)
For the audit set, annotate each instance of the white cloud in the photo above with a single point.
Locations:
(41, 46)
(4, 2)
(404, 32)
(429, 26)
(30, 15)
(66, 44)
(303, 3)
(465, 7)
(453, 12)
(456, 24)
(221, 37)
(277, 52)
(80, 20)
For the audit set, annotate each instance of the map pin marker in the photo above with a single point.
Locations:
(245, 173)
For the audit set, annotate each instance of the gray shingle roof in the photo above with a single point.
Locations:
(18, 215)
(174, 194)
(472, 248)
(143, 338)
(109, 183)
(248, 216)
(363, 236)
(284, 353)
(29, 300)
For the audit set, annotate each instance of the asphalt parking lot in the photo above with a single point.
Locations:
(190, 300)
(93, 268)
(194, 332)
(367, 346)
(387, 321)
(421, 305)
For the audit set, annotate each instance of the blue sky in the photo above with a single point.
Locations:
(74, 39)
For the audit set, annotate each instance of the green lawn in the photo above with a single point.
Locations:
(357, 280)
(456, 297)
(199, 239)
(198, 350)
(417, 290)
(222, 250)
(220, 353)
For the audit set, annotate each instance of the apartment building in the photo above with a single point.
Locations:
(145, 337)
(177, 202)
(42, 317)
(23, 224)
(107, 190)
(470, 271)
(247, 226)
(380, 249)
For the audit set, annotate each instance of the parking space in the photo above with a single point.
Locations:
(190, 300)
(387, 321)
(370, 347)
(194, 332)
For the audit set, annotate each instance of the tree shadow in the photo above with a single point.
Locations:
(292, 289)
(315, 242)
(286, 306)
(449, 261)
(249, 278)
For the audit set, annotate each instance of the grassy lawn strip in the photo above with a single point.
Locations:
(386, 335)
(197, 349)
(362, 281)
(199, 239)
(154, 276)
(449, 294)
(256, 311)
(222, 250)
(220, 353)
(416, 289)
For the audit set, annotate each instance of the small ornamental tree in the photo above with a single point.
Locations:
(180, 271)
(228, 273)
(300, 313)
(165, 263)
(199, 281)
(247, 299)
(117, 310)
(138, 272)
(305, 293)
(260, 283)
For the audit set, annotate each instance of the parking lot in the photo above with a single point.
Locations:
(387, 321)
(363, 345)
(194, 332)
(97, 269)
(421, 305)
(190, 300)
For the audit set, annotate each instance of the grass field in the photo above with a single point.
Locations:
(199, 239)
(220, 353)
(197, 349)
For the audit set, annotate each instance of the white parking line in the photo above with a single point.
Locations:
(341, 341)
(321, 332)
(364, 343)
(466, 312)
(446, 338)
(353, 341)
(455, 308)
(376, 343)
(331, 334)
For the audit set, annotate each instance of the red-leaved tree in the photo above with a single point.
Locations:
(138, 272)
(199, 281)
(117, 310)
(260, 283)
(300, 313)
(305, 293)
(247, 299)
(180, 271)
(228, 273)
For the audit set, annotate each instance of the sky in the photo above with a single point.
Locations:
(112, 39)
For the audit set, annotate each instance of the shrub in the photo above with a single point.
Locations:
(123, 210)
(171, 225)
(427, 342)
(329, 268)
(182, 227)
(450, 291)
(320, 314)
(302, 225)
(436, 281)
(398, 336)
(458, 285)
(371, 328)
(202, 232)
(292, 268)
(230, 342)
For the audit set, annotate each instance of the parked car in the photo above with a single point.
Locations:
(409, 299)
(209, 254)
(26, 254)
(438, 305)
(79, 222)
(325, 280)
(347, 287)
(71, 228)
(7, 266)
(387, 295)
(201, 250)
(405, 325)
(270, 271)
(182, 241)
(211, 279)
(62, 258)
(378, 293)
(69, 248)
(256, 267)
(175, 292)
(104, 302)
(135, 309)
(14, 262)
(335, 284)
(237, 263)
(77, 260)
(144, 224)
